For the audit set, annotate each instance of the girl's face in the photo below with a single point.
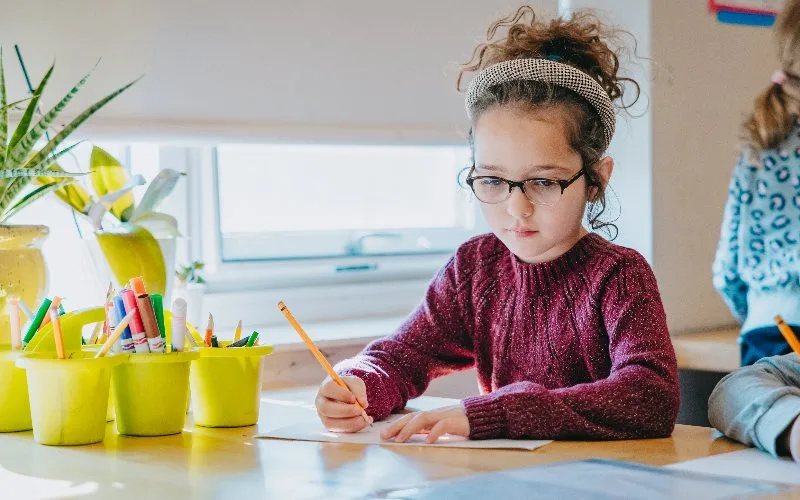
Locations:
(518, 145)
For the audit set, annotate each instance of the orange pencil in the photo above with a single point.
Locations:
(209, 330)
(57, 335)
(788, 334)
(318, 354)
(56, 303)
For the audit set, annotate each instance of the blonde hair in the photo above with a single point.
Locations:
(774, 109)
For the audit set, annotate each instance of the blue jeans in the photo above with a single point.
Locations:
(764, 342)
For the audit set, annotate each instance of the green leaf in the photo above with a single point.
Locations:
(29, 198)
(78, 121)
(11, 191)
(27, 117)
(12, 173)
(50, 160)
(3, 113)
(159, 188)
(24, 139)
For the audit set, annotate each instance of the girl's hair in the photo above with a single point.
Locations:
(575, 41)
(772, 118)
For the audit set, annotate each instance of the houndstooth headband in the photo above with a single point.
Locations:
(545, 70)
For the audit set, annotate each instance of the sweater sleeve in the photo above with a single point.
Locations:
(638, 399)
(755, 404)
(725, 270)
(432, 342)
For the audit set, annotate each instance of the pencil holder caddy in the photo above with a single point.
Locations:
(15, 409)
(68, 397)
(226, 385)
(150, 392)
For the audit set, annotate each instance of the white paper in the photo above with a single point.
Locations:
(748, 464)
(314, 431)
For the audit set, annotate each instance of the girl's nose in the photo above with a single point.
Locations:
(518, 205)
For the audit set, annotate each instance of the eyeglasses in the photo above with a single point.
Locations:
(491, 189)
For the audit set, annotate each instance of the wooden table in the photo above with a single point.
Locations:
(216, 463)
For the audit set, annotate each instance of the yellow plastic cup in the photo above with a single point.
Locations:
(68, 397)
(150, 393)
(226, 385)
(93, 348)
(15, 408)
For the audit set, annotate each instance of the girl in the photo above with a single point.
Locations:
(566, 330)
(756, 265)
(758, 262)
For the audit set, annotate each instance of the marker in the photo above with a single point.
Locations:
(178, 324)
(37, 320)
(252, 340)
(136, 325)
(145, 306)
(214, 342)
(126, 338)
(158, 308)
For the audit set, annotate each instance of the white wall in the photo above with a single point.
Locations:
(630, 194)
(707, 75)
(251, 69)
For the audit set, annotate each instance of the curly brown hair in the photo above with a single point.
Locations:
(581, 41)
(776, 108)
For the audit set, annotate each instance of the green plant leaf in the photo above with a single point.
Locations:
(24, 139)
(110, 176)
(159, 188)
(12, 173)
(3, 113)
(46, 163)
(74, 195)
(29, 198)
(27, 117)
(12, 189)
(78, 121)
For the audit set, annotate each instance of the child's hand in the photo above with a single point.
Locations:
(447, 420)
(337, 406)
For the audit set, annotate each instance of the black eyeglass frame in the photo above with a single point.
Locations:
(563, 184)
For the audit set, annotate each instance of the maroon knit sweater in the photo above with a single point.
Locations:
(576, 347)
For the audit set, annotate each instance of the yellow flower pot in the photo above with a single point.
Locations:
(23, 272)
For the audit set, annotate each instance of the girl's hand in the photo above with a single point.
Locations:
(792, 440)
(337, 408)
(447, 420)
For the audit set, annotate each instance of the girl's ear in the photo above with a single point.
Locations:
(604, 167)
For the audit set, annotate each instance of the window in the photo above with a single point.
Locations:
(280, 202)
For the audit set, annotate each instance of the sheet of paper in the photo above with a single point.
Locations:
(591, 479)
(749, 464)
(314, 431)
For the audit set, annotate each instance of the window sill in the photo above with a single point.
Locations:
(330, 334)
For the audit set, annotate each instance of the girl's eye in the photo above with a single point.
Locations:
(545, 183)
(490, 182)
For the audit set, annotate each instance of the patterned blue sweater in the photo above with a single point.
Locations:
(757, 264)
